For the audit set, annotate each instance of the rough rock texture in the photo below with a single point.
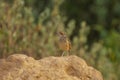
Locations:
(22, 67)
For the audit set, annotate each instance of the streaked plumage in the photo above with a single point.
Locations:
(64, 43)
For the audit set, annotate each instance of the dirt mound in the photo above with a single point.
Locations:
(22, 67)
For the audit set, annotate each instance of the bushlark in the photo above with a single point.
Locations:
(64, 42)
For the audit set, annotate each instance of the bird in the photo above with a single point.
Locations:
(64, 42)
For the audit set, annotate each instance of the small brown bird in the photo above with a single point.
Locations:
(64, 42)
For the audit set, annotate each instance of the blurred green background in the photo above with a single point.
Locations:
(93, 26)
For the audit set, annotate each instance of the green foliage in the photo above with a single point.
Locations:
(20, 32)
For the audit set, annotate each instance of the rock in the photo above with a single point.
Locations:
(22, 67)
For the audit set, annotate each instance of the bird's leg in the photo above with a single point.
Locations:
(63, 53)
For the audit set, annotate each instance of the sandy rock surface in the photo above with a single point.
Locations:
(22, 67)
